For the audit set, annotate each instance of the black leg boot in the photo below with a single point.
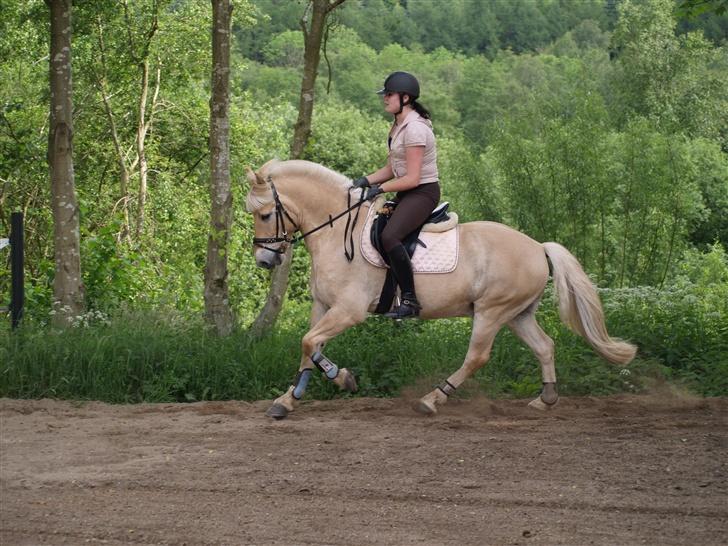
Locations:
(401, 266)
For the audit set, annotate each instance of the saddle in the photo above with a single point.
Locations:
(412, 241)
(436, 238)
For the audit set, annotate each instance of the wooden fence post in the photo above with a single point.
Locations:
(17, 292)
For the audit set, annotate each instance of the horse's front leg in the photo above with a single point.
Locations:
(333, 322)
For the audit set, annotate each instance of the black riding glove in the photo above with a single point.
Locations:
(361, 182)
(373, 192)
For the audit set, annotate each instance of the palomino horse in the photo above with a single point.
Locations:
(499, 280)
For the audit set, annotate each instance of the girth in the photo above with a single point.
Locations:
(410, 242)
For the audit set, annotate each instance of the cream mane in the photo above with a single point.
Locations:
(260, 193)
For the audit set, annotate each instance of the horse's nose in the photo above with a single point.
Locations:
(267, 259)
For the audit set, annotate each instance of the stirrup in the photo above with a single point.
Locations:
(408, 308)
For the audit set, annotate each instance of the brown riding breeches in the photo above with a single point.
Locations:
(414, 207)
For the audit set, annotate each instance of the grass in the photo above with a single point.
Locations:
(165, 356)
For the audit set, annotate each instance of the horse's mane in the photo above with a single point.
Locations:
(261, 195)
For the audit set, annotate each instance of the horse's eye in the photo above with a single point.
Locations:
(266, 217)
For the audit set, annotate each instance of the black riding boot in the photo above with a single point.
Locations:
(401, 266)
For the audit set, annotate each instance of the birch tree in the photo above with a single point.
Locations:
(68, 290)
(217, 306)
(138, 30)
(313, 26)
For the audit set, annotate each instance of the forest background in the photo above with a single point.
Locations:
(600, 124)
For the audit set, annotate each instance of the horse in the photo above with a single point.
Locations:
(499, 280)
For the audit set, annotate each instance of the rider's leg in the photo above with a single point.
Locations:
(401, 266)
(413, 209)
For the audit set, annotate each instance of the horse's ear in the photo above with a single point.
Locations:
(252, 177)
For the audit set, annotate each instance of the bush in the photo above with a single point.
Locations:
(166, 356)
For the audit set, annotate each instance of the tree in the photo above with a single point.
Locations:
(127, 75)
(693, 8)
(217, 305)
(313, 33)
(674, 80)
(140, 55)
(68, 290)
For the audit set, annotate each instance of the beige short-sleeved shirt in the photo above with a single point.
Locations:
(414, 131)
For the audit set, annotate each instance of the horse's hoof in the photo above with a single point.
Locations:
(424, 408)
(350, 382)
(540, 405)
(277, 412)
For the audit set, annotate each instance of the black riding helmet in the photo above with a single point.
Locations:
(401, 82)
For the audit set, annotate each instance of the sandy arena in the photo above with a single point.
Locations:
(619, 470)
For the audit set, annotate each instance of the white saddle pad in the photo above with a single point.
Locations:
(440, 255)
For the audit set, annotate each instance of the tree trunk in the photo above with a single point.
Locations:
(274, 301)
(311, 58)
(141, 155)
(139, 53)
(312, 35)
(217, 305)
(68, 290)
(101, 82)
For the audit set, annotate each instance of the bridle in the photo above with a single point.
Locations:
(282, 235)
(280, 212)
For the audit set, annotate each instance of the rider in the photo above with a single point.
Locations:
(411, 171)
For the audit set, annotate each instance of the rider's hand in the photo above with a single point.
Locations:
(362, 182)
(373, 192)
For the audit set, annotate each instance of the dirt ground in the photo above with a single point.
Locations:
(618, 470)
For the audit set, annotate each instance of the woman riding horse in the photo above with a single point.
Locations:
(411, 171)
(498, 281)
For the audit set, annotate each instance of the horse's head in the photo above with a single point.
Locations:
(273, 224)
(288, 196)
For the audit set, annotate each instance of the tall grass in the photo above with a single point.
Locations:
(166, 356)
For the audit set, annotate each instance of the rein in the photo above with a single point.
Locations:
(280, 212)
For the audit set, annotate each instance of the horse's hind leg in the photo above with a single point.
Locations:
(485, 327)
(526, 328)
(333, 322)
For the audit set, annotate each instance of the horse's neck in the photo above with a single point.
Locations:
(316, 202)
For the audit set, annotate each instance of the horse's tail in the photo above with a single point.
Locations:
(580, 308)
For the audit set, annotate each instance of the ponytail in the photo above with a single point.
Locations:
(421, 110)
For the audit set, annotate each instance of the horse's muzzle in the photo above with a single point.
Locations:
(267, 259)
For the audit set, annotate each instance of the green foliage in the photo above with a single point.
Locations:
(469, 26)
(693, 8)
(613, 144)
(706, 270)
(285, 50)
(134, 357)
(652, 220)
(165, 355)
(675, 80)
(711, 172)
(352, 76)
(685, 325)
(347, 140)
(469, 181)
(714, 25)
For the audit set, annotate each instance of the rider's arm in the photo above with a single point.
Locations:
(382, 175)
(413, 155)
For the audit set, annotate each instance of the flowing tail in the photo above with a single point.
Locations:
(580, 308)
